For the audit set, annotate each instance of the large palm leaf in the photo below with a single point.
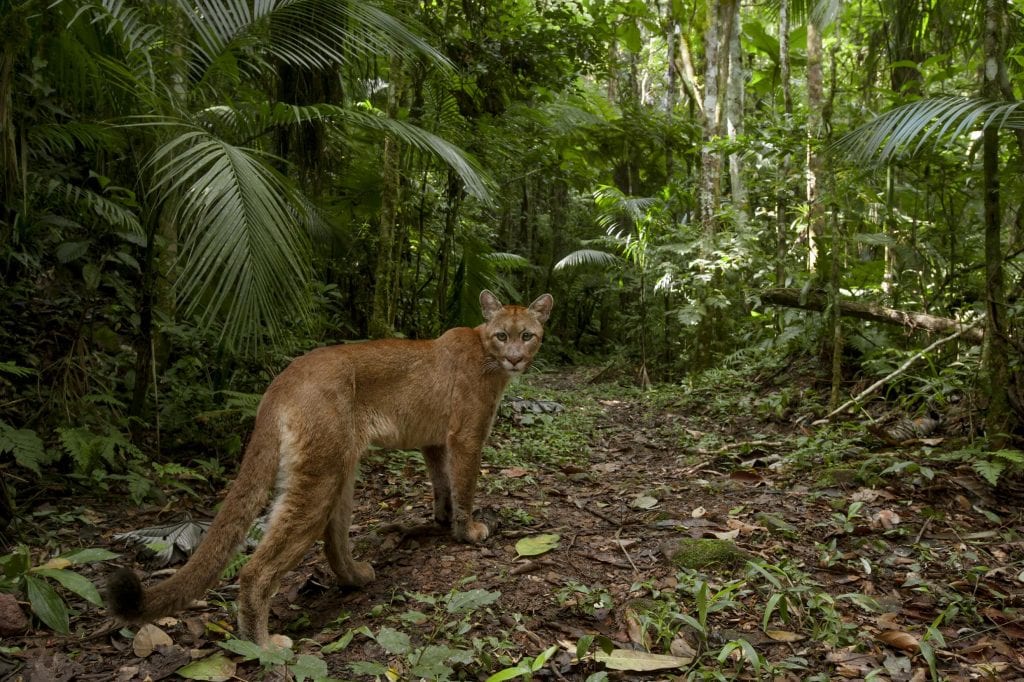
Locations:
(906, 129)
(245, 260)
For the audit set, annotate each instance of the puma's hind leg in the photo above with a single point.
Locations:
(337, 546)
(297, 520)
(436, 457)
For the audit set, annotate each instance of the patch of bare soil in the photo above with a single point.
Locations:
(907, 578)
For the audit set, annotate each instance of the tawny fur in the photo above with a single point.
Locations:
(314, 423)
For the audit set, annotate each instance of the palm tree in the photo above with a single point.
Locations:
(192, 128)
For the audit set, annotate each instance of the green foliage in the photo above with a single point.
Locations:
(25, 446)
(35, 582)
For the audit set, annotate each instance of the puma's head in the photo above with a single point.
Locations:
(512, 333)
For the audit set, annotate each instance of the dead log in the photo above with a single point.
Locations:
(818, 301)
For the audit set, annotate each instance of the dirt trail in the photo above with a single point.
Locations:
(620, 481)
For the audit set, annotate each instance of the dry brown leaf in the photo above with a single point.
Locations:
(699, 512)
(148, 638)
(887, 621)
(681, 647)
(636, 631)
(727, 534)
(900, 640)
(784, 635)
(514, 472)
(885, 518)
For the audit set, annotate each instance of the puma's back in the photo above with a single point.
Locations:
(313, 424)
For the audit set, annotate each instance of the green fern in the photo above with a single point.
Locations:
(234, 566)
(25, 445)
(15, 370)
(989, 470)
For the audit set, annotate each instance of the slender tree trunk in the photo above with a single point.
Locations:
(999, 418)
(734, 116)
(382, 317)
(815, 212)
(782, 196)
(710, 158)
(444, 256)
(787, 93)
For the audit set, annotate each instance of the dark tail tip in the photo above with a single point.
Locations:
(125, 595)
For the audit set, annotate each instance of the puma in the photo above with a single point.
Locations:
(314, 423)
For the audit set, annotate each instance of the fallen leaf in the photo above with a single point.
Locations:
(514, 472)
(784, 635)
(699, 512)
(215, 668)
(727, 534)
(148, 638)
(681, 647)
(639, 661)
(537, 544)
(746, 476)
(899, 639)
(886, 518)
(643, 502)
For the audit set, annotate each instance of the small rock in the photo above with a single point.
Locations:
(12, 618)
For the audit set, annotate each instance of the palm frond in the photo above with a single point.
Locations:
(507, 261)
(110, 213)
(305, 33)
(246, 259)
(905, 130)
(583, 257)
(469, 171)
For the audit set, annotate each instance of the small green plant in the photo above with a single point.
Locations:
(19, 576)
(583, 599)
(525, 668)
(446, 641)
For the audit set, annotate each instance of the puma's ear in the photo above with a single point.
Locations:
(489, 304)
(542, 307)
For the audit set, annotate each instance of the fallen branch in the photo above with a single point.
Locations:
(899, 370)
(817, 301)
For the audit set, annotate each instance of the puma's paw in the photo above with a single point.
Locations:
(362, 573)
(472, 532)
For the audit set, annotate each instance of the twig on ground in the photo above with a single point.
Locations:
(898, 371)
(618, 542)
(530, 566)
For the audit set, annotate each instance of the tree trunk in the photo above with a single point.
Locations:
(782, 195)
(734, 114)
(815, 212)
(999, 417)
(382, 317)
(710, 158)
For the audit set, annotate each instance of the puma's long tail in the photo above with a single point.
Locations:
(130, 603)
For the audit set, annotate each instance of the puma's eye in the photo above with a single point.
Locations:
(528, 335)
(501, 336)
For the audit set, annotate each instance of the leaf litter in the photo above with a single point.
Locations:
(850, 571)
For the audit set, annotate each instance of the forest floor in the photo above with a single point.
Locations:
(822, 552)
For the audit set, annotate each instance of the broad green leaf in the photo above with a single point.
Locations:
(639, 661)
(471, 600)
(75, 582)
(309, 667)
(537, 544)
(368, 668)
(215, 668)
(521, 670)
(250, 651)
(394, 641)
(47, 604)
(89, 555)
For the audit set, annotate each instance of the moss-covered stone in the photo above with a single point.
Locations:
(703, 553)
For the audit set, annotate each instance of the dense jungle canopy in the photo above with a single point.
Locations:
(193, 192)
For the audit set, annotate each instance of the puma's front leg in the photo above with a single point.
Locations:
(464, 465)
(436, 457)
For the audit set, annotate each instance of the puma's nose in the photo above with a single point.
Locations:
(514, 359)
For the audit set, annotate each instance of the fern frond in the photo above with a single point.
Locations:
(587, 257)
(25, 445)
